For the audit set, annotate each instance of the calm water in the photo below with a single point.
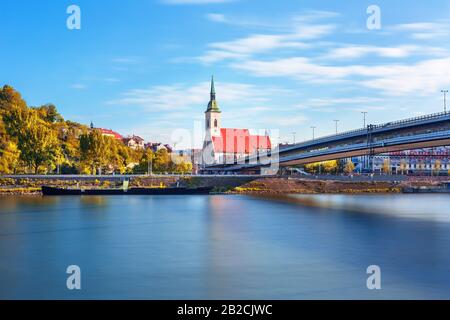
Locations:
(213, 247)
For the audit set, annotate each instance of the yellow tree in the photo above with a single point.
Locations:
(36, 140)
(437, 166)
(349, 167)
(386, 166)
(94, 150)
(330, 166)
(162, 162)
(146, 162)
(9, 97)
(403, 166)
(183, 167)
(9, 157)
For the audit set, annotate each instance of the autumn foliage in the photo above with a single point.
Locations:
(39, 140)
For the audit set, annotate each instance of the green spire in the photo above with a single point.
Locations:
(213, 105)
(213, 89)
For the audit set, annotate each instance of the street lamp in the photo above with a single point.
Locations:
(336, 121)
(293, 135)
(364, 114)
(445, 100)
(313, 132)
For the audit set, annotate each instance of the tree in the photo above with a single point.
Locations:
(37, 142)
(94, 150)
(49, 113)
(403, 166)
(349, 167)
(322, 167)
(162, 161)
(9, 158)
(330, 166)
(146, 163)
(181, 164)
(437, 166)
(386, 166)
(9, 97)
(183, 168)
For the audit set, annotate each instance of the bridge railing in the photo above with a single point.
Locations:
(364, 130)
(389, 142)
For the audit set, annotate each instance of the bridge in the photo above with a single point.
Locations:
(427, 131)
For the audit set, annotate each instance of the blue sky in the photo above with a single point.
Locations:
(143, 67)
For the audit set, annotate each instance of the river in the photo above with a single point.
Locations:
(225, 247)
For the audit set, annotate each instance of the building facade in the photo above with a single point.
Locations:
(414, 161)
(420, 161)
(228, 145)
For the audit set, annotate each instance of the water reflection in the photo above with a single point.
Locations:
(94, 203)
(200, 247)
(432, 207)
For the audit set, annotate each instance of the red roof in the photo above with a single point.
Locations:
(111, 133)
(240, 141)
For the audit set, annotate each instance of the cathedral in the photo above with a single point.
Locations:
(228, 145)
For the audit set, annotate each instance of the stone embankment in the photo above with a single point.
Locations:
(221, 184)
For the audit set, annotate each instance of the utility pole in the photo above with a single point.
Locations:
(336, 121)
(293, 135)
(313, 132)
(445, 100)
(364, 114)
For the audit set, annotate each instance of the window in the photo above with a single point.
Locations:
(215, 123)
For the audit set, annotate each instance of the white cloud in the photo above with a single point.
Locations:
(425, 30)
(273, 24)
(180, 96)
(126, 60)
(297, 67)
(292, 34)
(78, 86)
(423, 77)
(216, 17)
(352, 52)
(258, 43)
(262, 43)
(284, 121)
(347, 52)
(217, 55)
(326, 102)
(112, 80)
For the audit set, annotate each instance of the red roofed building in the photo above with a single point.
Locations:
(110, 133)
(228, 144)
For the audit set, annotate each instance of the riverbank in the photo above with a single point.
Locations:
(223, 184)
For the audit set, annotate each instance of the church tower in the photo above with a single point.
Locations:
(213, 114)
